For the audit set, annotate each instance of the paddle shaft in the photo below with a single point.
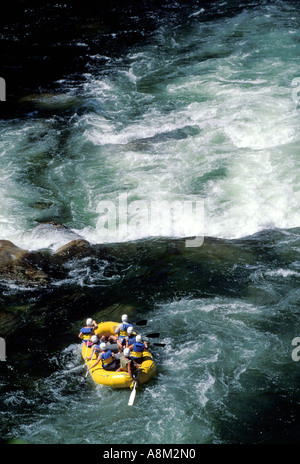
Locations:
(133, 393)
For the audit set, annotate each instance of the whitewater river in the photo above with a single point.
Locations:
(202, 110)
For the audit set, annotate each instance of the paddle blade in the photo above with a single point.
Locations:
(153, 335)
(142, 322)
(132, 395)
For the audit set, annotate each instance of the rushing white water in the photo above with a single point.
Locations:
(205, 112)
(198, 379)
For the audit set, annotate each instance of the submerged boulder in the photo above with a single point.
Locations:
(8, 322)
(76, 249)
(17, 265)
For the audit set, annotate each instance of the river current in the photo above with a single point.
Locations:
(195, 104)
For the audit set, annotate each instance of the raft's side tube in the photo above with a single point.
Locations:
(112, 378)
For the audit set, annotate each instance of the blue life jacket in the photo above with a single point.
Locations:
(137, 351)
(107, 358)
(97, 349)
(131, 340)
(123, 332)
(86, 331)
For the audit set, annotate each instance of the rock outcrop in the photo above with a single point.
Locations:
(76, 249)
(20, 266)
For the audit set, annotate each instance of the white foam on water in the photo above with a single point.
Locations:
(206, 114)
(248, 125)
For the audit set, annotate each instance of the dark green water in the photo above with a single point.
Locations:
(189, 103)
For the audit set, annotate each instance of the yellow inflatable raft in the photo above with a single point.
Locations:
(112, 378)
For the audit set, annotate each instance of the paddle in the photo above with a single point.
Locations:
(154, 344)
(133, 392)
(141, 322)
(132, 395)
(153, 335)
(86, 348)
(150, 335)
(87, 372)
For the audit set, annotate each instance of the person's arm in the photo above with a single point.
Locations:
(95, 325)
(97, 361)
(129, 369)
(92, 354)
(117, 329)
(80, 335)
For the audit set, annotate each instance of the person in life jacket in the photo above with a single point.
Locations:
(137, 349)
(127, 364)
(107, 358)
(95, 349)
(131, 339)
(121, 333)
(86, 332)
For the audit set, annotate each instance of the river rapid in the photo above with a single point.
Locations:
(195, 103)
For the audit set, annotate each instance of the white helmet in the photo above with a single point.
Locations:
(126, 352)
(138, 338)
(103, 346)
(124, 318)
(94, 338)
(130, 329)
(89, 321)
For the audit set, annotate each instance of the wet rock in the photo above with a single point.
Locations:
(51, 101)
(76, 249)
(8, 323)
(17, 265)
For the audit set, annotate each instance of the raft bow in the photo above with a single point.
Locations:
(115, 379)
